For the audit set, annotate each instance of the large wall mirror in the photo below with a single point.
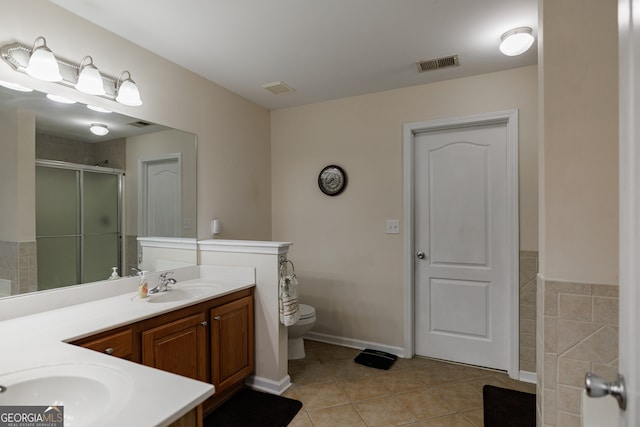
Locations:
(75, 204)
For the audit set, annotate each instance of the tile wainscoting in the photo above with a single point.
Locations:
(577, 332)
(528, 285)
(18, 264)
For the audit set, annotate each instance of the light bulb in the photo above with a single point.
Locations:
(98, 109)
(60, 99)
(128, 93)
(89, 78)
(43, 64)
(15, 86)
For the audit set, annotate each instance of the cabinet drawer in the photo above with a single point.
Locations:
(119, 344)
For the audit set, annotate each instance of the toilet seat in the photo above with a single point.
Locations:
(306, 311)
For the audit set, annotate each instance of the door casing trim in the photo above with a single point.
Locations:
(510, 118)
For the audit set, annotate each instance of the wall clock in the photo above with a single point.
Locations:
(332, 180)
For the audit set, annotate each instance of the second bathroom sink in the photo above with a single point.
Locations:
(88, 393)
(180, 292)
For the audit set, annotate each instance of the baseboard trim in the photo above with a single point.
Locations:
(528, 377)
(353, 343)
(267, 385)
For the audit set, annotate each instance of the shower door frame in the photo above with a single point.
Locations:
(121, 206)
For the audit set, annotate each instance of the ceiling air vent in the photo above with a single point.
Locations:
(140, 124)
(438, 63)
(278, 88)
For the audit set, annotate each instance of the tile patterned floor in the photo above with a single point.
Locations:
(337, 392)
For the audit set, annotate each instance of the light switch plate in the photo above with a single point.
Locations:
(393, 226)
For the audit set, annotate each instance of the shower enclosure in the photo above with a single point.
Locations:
(78, 223)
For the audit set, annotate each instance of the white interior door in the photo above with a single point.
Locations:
(462, 272)
(160, 196)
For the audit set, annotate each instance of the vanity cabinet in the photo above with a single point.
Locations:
(178, 347)
(211, 341)
(118, 343)
(232, 343)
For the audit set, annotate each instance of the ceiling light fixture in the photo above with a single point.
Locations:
(98, 129)
(43, 64)
(15, 86)
(89, 78)
(60, 99)
(98, 109)
(127, 92)
(40, 62)
(517, 41)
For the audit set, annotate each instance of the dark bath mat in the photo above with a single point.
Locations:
(250, 408)
(508, 408)
(375, 359)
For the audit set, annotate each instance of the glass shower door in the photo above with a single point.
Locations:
(78, 224)
(57, 227)
(101, 242)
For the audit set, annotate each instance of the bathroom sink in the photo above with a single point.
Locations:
(89, 393)
(183, 292)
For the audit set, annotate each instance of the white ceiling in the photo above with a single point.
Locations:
(325, 49)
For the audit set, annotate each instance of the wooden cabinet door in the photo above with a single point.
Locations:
(232, 349)
(178, 347)
(117, 344)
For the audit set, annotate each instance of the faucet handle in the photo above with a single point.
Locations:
(164, 275)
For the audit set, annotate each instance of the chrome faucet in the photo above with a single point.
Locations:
(163, 283)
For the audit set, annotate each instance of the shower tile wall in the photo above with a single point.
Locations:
(577, 333)
(131, 251)
(51, 147)
(528, 285)
(18, 264)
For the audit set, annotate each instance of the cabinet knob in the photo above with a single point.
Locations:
(109, 350)
(216, 318)
(204, 323)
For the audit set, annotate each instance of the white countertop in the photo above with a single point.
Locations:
(158, 397)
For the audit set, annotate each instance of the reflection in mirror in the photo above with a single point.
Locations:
(75, 205)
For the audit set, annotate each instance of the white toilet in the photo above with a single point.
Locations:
(299, 330)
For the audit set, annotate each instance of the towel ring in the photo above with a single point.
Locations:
(283, 265)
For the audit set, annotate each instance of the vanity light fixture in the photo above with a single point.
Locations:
(98, 129)
(517, 41)
(43, 64)
(60, 99)
(40, 62)
(15, 86)
(99, 109)
(127, 92)
(89, 78)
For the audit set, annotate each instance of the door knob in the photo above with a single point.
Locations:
(598, 387)
(421, 255)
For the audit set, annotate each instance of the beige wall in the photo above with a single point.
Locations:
(349, 269)
(17, 175)
(233, 133)
(577, 320)
(155, 144)
(580, 91)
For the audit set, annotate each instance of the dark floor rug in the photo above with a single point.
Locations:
(375, 359)
(508, 408)
(250, 408)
